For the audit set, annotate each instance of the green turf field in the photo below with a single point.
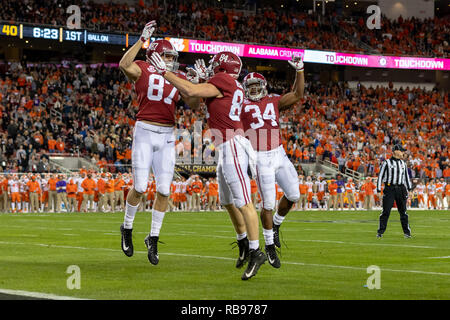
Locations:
(326, 257)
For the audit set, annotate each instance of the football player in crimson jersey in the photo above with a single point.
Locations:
(224, 96)
(260, 117)
(153, 137)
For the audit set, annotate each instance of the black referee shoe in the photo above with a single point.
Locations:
(127, 240)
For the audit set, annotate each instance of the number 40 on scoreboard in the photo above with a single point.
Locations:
(9, 30)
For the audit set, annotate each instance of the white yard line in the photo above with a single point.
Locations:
(38, 295)
(227, 258)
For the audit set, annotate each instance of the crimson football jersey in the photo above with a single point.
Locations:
(224, 114)
(157, 97)
(261, 122)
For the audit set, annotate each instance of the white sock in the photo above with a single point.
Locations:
(13, 205)
(157, 220)
(268, 236)
(130, 212)
(241, 236)
(277, 219)
(253, 244)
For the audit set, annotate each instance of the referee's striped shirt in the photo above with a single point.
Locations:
(394, 172)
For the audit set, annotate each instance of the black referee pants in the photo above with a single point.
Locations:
(399, 194)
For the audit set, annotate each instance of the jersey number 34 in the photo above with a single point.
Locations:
(269, 114)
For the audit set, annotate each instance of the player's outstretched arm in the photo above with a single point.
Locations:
(127, 64)
(186, 88)
(298, 88)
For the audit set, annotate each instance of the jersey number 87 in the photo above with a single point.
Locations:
(156, 89)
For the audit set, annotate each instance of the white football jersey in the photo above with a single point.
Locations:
(321, 185)
(420, 188)
(44, 184)
(14, 185)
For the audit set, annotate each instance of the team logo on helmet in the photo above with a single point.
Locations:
(226, 62)
(164, 48)
(255, 86)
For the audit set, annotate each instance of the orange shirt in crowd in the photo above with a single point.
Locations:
(60, 146)
(52, 184)
(101, 186)
(332, 188)
(71, 189)
(88, 185)
(33, 186)
(446, 173)
(447, 190)
(197, 186)
(51, 144)
(213, 189)
(109, 186)
(303, 188)
(368, 188)
(118, 184)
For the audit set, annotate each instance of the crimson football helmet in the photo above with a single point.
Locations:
(164, 48)
(257, 92)
(226, 61)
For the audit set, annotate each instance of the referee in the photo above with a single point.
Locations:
(394, 175)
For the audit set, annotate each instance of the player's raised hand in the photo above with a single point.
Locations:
(148, 30)
(158, 63)
(192, 75)
(297, 63)
(202, 71)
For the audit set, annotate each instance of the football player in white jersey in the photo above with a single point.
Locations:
(310, 185)
(153, 136)
(420, 189)
(23, 189)
(183, 197)
(14, 191)
(260, 117)
(320, 188)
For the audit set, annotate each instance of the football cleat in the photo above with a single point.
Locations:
(379, 236)
(407, 236)
(256, 260)
(276, 235)
(243, 252)
(127, 240)
(272, 256)
(152, 247)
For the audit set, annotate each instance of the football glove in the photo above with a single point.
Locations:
(203, 72)
(297, 63)
(158, 63)
(192, 75)
(148, 30)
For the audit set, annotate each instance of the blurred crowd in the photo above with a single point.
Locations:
(289, 26)
(90, 191)
(90, 110)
